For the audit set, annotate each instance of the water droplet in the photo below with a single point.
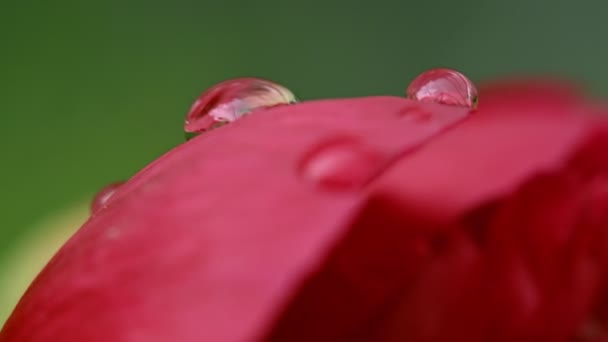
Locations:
(104, 195)
(230, 100)
(341, 164)
(444, 86)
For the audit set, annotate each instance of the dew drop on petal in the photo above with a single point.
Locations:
(104, 195)
(341, 165)
(230, 100)
(443, 86)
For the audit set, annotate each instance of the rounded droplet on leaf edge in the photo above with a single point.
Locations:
(104, 195)
(230, 100)
(443, 86)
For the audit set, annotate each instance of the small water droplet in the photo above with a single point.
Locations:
(341, 164)
(230, 100)
(104, 195)
(444, 86)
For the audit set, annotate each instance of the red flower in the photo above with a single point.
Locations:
(374, 219)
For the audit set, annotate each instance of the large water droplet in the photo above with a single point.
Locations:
(104, 195)
(444, 86)
(230, 100)
(342, 164)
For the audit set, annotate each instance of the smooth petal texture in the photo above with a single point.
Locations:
(221, 230)
(485, 158)
(453, 237)
(522, 93)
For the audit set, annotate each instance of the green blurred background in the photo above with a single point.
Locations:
(91, 91)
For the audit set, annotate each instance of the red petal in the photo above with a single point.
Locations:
(221, 239)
